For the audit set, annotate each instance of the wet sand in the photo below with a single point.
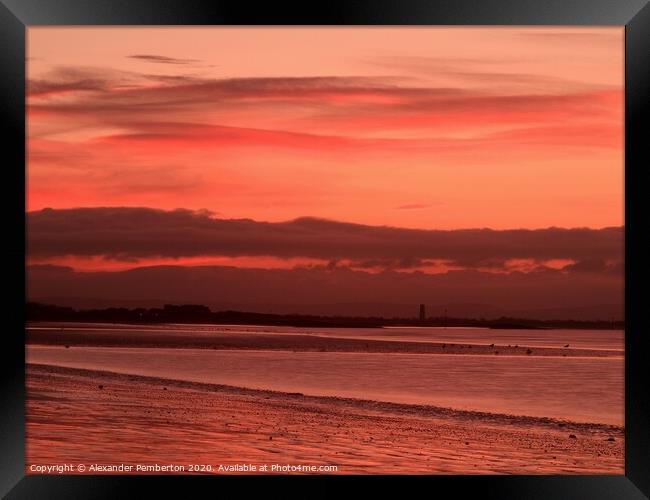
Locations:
(288, 342)
(146, 420)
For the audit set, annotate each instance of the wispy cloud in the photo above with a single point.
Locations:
(329, 107)
(162, 59)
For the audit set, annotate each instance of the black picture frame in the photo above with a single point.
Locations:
(17, 15)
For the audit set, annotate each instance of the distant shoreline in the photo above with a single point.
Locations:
(199, 314)
(113, 336)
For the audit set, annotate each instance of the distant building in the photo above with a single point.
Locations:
(423, 314)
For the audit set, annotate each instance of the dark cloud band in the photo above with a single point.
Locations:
(137, 233)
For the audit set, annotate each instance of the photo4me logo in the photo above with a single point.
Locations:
(278, 468)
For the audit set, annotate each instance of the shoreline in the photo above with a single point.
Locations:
(589, 326)
(367, 404)
(95, 416)
(294, 342)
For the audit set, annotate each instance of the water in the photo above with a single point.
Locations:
(582, 389)
(583, 339)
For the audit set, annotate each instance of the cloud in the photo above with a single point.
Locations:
(162, 59)
(50, 87)
(498, 74)
(68, 79)
(588, 265)
(362, 94)
(140, 233)
(324, 112)
(160, 136)
(335, 290)
(172, 135)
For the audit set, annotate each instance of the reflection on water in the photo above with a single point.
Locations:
(579, 339)
(580, 389)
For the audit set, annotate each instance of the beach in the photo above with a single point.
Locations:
(236, 398)
(233, 399)
(97, 417)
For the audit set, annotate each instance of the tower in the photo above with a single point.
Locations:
(423, 314)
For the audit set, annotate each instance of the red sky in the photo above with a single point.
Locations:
(438, 129)
(413, 127)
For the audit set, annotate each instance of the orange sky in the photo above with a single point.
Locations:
(438, 128)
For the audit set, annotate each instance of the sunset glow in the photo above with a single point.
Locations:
(472, 154)
(325, 250)
(437, 128)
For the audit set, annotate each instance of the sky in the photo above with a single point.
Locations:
(366, 149)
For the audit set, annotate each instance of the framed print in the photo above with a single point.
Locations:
(367, 243)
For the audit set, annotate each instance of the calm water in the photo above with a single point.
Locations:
(585, 339)
(580, 389)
